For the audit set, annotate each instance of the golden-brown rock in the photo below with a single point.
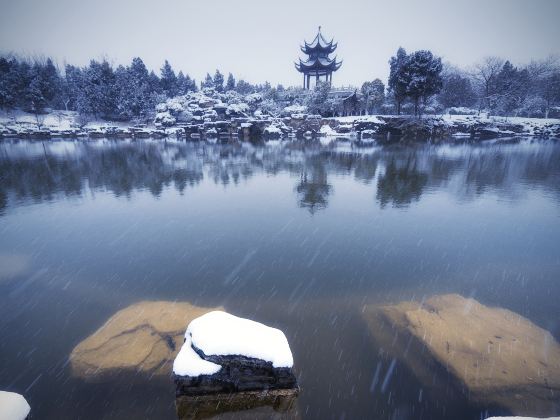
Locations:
(500, 357)
(144, 337)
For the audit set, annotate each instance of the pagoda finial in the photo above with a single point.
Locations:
(319, 28)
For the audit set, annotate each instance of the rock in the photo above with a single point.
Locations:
(277, 403)
(225, 354)
(144, 337)
(498, 356)
(13, 406)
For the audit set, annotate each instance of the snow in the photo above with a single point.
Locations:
(13, 406)
(328, 131)
(189, 363)
(273, 129)
(220, 333)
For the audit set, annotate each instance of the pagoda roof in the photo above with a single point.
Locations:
(318, 64)
(319, 44)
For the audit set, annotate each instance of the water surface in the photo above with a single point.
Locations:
(297, 235)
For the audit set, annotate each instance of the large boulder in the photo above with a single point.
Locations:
(497, 356)
(13, 406)
(142, 338)
(223, 353)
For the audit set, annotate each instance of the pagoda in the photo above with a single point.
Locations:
(318, 63)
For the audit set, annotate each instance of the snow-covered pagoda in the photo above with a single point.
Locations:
(318, 63)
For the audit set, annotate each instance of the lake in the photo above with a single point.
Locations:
(297, 235)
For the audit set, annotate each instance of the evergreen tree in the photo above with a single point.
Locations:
(397, 80)
(34, 97)
(230, 84)
(422, 70)
(208, 82)
(182, 87)
(457, 91)
(374, 94)
(190, 84)
(218, 81)
(9, 73)
(168, 80)
(244, 88)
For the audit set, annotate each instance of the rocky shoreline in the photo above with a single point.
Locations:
(381, 128)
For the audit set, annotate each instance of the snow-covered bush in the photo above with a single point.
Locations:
(461, 110)
(165, 119)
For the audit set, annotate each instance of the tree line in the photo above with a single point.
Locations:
(421, 80)
(99, 90)
(418, 83)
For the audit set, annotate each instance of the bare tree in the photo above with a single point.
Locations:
(485, 72)
(545, 79)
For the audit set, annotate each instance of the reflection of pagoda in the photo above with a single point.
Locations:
(318, 63)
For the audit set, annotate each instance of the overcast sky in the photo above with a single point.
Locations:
(259, 40)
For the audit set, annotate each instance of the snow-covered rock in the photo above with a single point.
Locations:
(13, 406)
(225, 353)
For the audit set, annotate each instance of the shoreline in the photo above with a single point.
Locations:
(383, 128)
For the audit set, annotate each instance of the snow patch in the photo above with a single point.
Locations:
(13, 406)
(189, 363)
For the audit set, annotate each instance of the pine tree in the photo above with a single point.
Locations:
(230, 84)
(208, 82)
(218, 81)
(8, 83)
(181, 84)
(190, 84)
(422, 71)
(168, 80)
(397, 82)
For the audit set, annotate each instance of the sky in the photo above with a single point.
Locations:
(258, 40)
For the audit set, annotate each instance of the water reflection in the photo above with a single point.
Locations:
(40, 171)
(401, 183)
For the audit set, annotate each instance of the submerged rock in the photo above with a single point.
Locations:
(144, 337)
(496, 355)
(13, 406)
(225, 354)
(271, 404)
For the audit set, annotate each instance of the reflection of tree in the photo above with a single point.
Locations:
(401, 184)
(42, 171)
(313, 188)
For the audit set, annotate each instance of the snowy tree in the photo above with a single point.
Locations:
(208, 82)
(9, 86)
(317, 101)
(422, 71)
(100, 89)
(218, 81)
(244, 88)
(511, 89)
(545, 82)
(230, 84)
(34, 97)
(486, 73)
(168, 80)
(457, 90)
(374, 94)
(397, 82)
